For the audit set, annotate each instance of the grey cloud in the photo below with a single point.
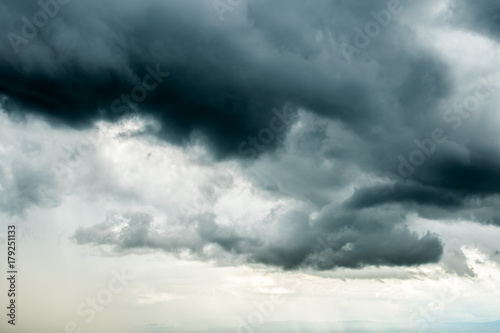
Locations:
(479, 16)
(24, 186)
(383, 194)
(455, 262)
(292, 241)
(226, 77)
(217, 84)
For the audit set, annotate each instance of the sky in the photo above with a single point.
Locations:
(230, 164)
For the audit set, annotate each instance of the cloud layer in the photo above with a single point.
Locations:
(362, 127)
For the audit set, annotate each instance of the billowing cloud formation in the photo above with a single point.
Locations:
(347, 107)
(224, 78)
(290, 242)
(483, 16)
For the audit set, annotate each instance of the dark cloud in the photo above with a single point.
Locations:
(225, 77)
(480, 16)
(383, 194)
(292, 241)
(347, 120)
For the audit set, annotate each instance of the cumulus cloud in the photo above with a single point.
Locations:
(482, 17)
(290, 241)
(225, 78)
(364, 140)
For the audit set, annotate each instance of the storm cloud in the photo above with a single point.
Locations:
(292, 241)
(366, 137)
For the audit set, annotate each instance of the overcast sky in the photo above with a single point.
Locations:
(340, 155)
